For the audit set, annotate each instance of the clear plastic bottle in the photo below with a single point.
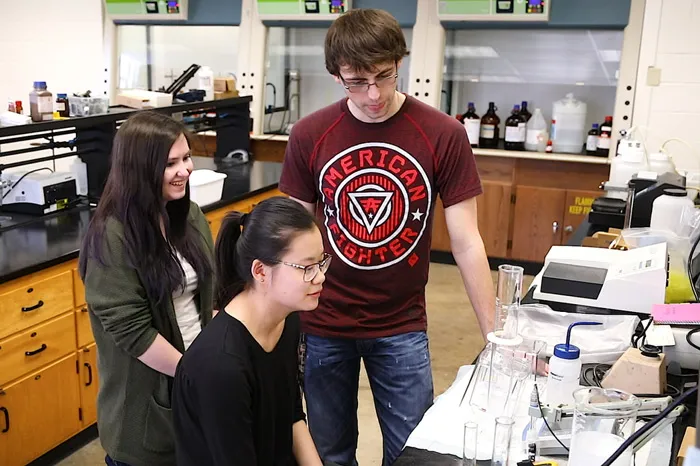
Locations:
(669, 211)
(41, 103)
(536, 139)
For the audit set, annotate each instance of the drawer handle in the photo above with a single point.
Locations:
(7, 419)
(33, 308)
(32, 353)
(89, 368)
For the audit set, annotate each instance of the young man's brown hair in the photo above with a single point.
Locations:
(362, 39)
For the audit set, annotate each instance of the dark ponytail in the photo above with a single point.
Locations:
(264, 234)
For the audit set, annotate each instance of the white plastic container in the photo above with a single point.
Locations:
(206, 186)
(570, 115)
(630, 160)
(669, 211)
(661, 163)
(565, 370)
(206, 82)
(536, 139)
(79, 169)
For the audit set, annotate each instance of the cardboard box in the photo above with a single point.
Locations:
(688, 441)
(227, 84)
(225, 95)
(137, 98)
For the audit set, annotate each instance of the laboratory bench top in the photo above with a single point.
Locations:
(31, 243)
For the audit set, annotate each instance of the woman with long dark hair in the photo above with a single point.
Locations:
(146, 262)
(236, 399)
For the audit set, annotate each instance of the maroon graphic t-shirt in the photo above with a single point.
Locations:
(374, 186)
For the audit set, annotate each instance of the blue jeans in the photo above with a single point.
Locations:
(110, 462)
(401, 380)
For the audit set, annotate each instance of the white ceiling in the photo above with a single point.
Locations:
(589, 58)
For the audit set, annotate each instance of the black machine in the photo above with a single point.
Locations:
(610, 212)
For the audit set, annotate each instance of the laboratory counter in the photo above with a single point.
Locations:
(29, 243)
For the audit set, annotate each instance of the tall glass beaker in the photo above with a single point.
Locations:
(508, 292)
(604, 418)
(501, 441)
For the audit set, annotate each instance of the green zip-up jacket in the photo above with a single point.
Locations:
(134, 415)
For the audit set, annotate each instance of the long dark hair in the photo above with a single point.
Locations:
(133, 196)
(264, 234)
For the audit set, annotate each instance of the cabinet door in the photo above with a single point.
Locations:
(88, 384)
(83, 327)
(577, 206)
(493, 215)
(39, 412)
(539, 213)
(441, 240)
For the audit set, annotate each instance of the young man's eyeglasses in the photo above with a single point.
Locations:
(310, 271)
(363, 86)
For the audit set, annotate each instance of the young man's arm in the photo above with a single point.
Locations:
(310, 206)
(470, 255)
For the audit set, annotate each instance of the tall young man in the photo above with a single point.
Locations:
(370, 167)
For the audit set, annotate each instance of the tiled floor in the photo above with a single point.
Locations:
(454, 341)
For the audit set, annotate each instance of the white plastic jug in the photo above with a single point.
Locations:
(629, 161)
(661, 163)
(206, 82)
(570, 115)
(536, 139)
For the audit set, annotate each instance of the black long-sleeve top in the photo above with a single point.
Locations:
(234, 403)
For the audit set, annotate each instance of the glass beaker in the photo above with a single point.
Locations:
(501, 441)
(469, 443)
(498, 379)
(508, 292)
(604, 418)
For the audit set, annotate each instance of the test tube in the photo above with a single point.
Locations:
(508, 291)
(469, 445)
(501, 441)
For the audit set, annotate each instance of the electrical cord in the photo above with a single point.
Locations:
(22, 177)
(690, 334)
(539, 405)
(646, 427)
(643, 335)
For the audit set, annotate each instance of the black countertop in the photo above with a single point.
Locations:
(29, 244)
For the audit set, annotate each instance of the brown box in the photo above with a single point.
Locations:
(225, 95)
(227, 84)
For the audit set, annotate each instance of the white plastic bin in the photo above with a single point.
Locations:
(206, 186)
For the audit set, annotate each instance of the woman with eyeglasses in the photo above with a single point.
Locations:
(236, 399)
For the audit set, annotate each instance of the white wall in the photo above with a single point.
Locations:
(671, 42)
(57, 42)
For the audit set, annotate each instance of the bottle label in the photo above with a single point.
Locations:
(535, 136)
(592, 142)
(513, 134)
(44, 104)
(606, 128)
(60, 107)
(472, 127)
(603, 141)
(488, 131)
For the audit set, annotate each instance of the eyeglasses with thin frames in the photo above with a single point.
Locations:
(382, 82)
(310, 271)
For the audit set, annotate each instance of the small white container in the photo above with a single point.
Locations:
(661, 163)
(206, 82)
(670, 210)
(206, 186)
(536, 139)
(628, 162)
(565, 370)
(570, 115)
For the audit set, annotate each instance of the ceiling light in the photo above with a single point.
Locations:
(609, 55)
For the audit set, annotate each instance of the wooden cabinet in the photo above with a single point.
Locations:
(89, 383)
(492, 211)
(216, 217)
(39, 412)
(545, 217)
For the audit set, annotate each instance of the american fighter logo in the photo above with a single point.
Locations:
(376, 201)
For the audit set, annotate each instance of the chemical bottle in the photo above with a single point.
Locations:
(570, 115)
(18, 107)
(536, 137)
(62, 105)
(603, 145)
(549, 149)
(488, 134)
(472, 125)
(515, 130)
(660, 162)
(592, 140)
(524, 111)
(206, 82)
(565, 370)
(40, 103)
(670, 211)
